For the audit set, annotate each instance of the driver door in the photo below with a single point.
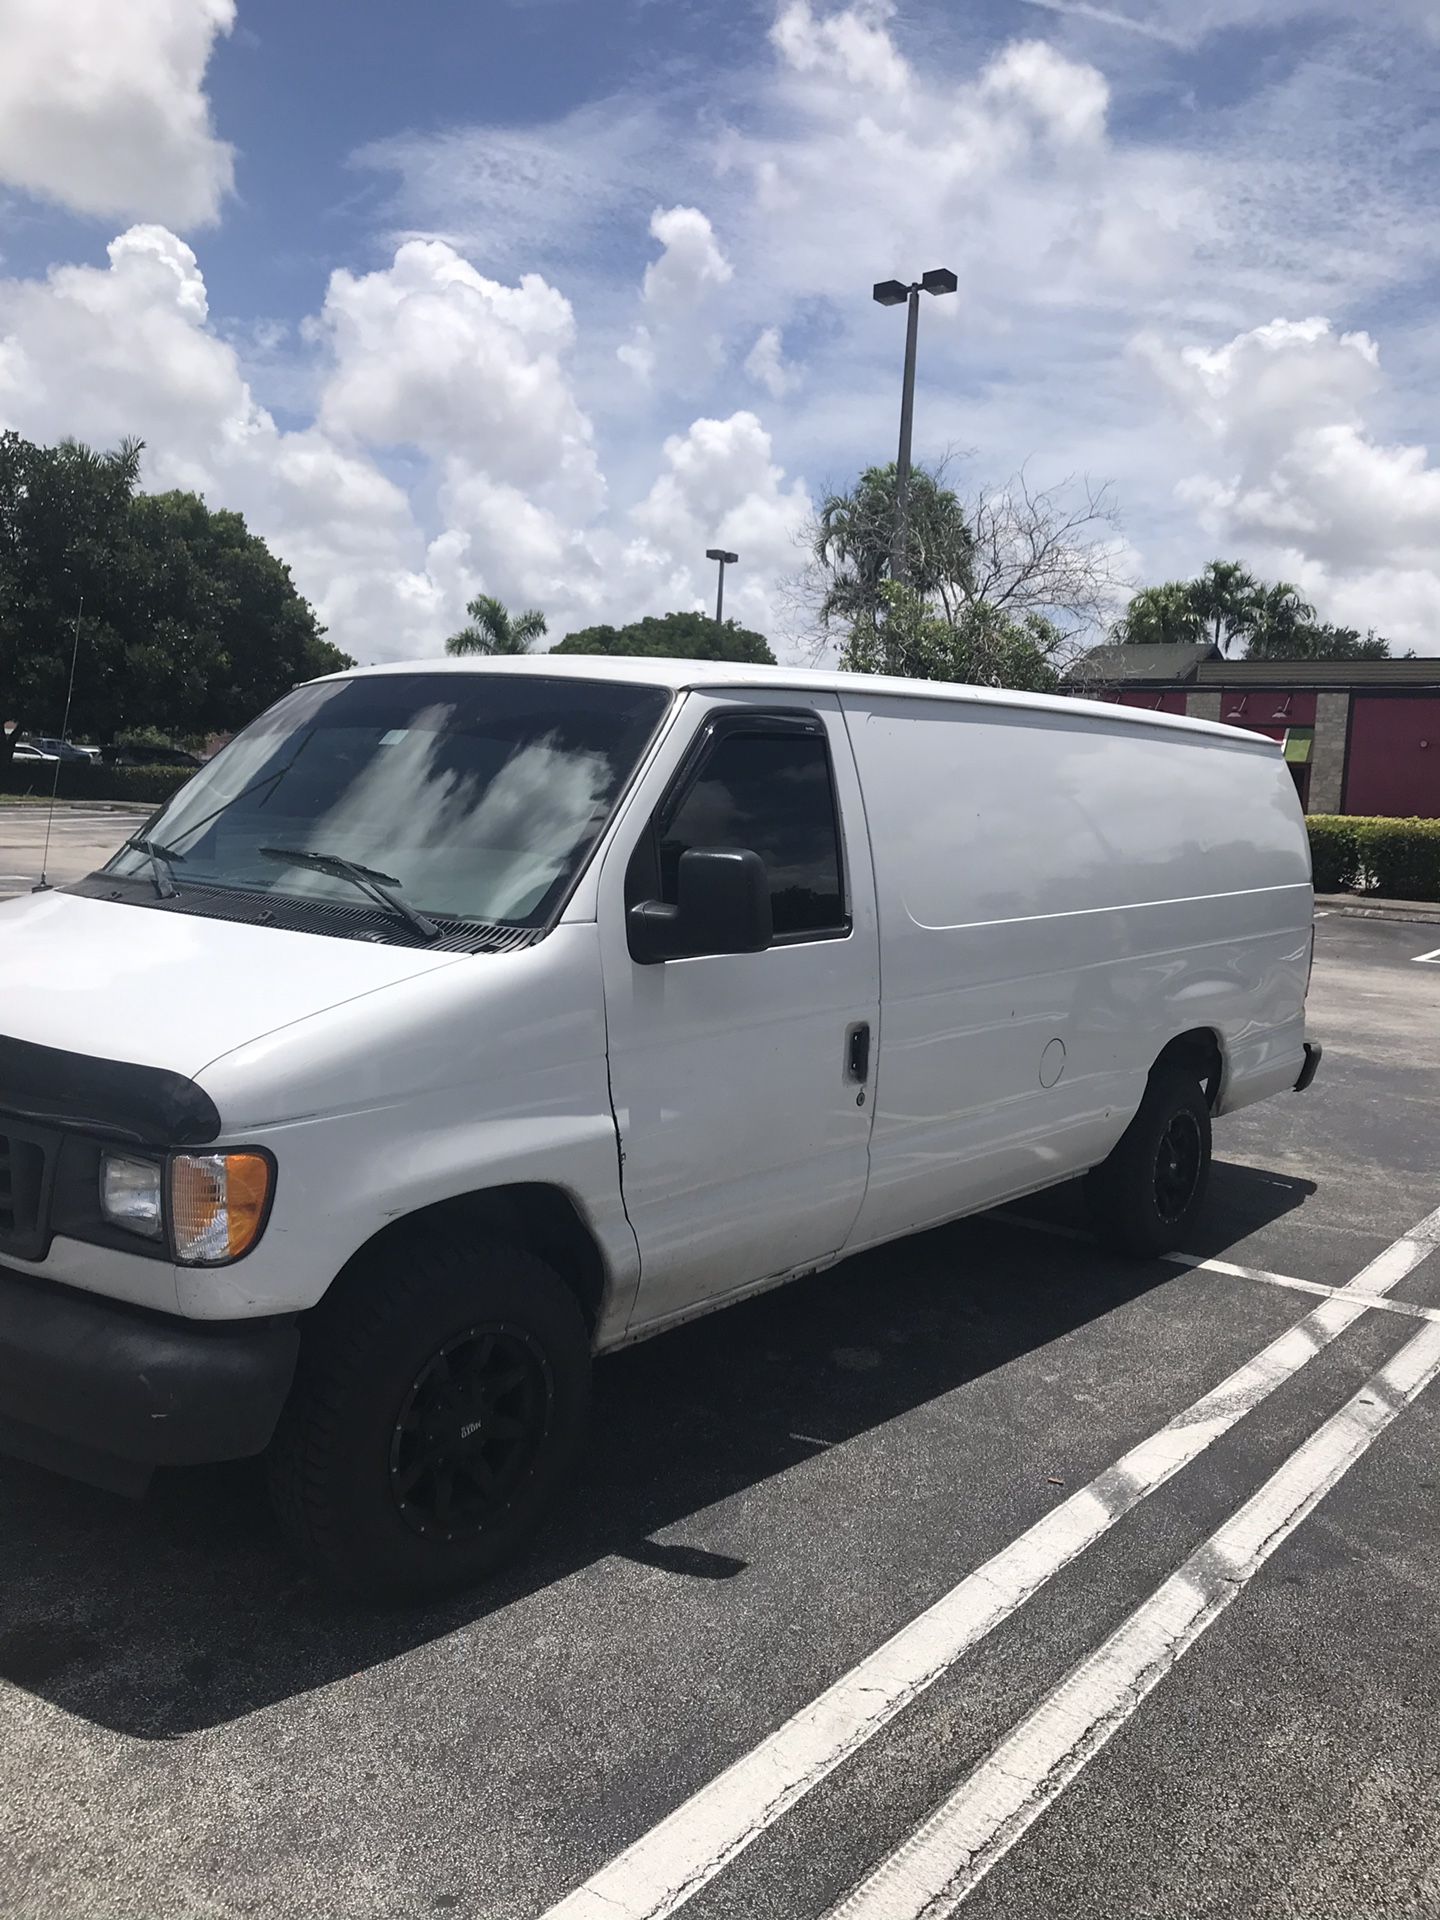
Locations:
(741, 1081)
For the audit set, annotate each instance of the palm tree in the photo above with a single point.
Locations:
(1283, 625)
(1226, 597)
(854, 532)
(493, 630)
(1161, 616)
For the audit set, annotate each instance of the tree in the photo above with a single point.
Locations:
(1051, 551)
(1281, 622)
(186, 621)
(1014, 548)
(1319, 643)
(1226, 598)
(852, 541)
(493, 629)
(983, 647)
(998, 584)
(1226, 603)
(1161, 616)
(674, 636)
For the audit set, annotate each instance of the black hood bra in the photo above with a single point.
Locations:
(76, 1092)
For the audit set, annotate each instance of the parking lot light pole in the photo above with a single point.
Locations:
(725, 559)
(891, 293)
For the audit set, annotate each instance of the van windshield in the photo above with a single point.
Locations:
(478, 795)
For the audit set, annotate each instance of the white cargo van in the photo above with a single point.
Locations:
(461, 1021)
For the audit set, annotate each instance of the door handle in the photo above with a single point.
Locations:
(857, 1051)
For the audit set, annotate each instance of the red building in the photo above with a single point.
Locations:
(1360, 736)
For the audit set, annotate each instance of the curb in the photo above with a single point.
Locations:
(1417, 915)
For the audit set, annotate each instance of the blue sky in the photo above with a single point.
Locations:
(543, 297)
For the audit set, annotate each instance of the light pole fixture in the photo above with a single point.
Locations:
(895, 293)
(726, 560)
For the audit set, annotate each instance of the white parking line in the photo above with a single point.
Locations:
(1398, 1252)
(929, 1876)
(667, 1866)
(1404, 1307)
(1428, 959)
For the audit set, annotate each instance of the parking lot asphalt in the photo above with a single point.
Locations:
(82, 838)
(1161, 1651)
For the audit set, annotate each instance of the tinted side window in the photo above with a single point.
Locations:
(772, 793)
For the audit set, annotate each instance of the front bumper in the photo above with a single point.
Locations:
(1313, 1051)
(107, 1392)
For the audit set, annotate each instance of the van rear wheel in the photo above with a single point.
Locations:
(438, 1406)
(1145, 1198)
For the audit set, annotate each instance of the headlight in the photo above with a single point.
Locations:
(130, 1194)
(218, 1204)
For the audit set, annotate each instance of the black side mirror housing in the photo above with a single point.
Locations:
(723, 906)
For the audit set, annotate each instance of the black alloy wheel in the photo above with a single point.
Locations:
(470, 1431)
(438, 1408)
(1178, 1161)
(1145, 1198)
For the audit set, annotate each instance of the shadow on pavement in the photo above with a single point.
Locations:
(1241, 1200)
(182, 1611)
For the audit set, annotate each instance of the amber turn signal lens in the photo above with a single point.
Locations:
(217, 1205)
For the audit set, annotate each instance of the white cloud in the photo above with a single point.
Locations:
(525, 552)
(765, 363)
(838, 160)
(429, 353)
(672, 341)
(720, 485)
(1066, 100)
(691, 264)
(638, 353)
(105, 352)
(1295, 480)
(852, 45)
(102, 106)
(1010, 174)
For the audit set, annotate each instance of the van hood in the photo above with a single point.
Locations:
(171, 990)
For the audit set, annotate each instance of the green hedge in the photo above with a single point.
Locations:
(77, 782)
(1398, 859)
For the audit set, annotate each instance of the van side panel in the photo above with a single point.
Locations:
(1059, 896)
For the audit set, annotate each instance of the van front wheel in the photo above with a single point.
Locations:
(439, 1404)
(1145, 1198)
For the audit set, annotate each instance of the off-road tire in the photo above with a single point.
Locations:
(1146, 1197)
(397, 1328)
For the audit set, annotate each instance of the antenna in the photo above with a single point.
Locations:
(42, 885)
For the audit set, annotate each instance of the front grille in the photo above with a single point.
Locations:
(22, 1193)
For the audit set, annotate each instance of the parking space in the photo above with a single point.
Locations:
(986, 1572)
(81, 838)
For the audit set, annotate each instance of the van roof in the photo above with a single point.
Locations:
(685, 675)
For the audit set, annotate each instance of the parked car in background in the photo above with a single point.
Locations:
(124, 754)
(61, 749)
(28, 751)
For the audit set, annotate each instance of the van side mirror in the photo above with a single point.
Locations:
(723, 906)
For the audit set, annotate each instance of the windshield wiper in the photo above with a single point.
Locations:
(161, 860)
(380, 886)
